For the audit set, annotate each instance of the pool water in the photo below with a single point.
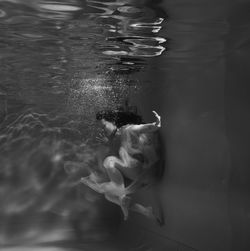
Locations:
(62, 61)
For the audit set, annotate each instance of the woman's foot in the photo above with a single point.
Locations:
(150, 214)
(91, 184)
(125, 204)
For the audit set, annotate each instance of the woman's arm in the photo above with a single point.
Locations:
(150, 127)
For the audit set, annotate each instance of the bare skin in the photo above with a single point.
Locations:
(126, 165)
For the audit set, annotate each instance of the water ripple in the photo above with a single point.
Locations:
(138, 46)
(61, 10)
(131, 30)
(58, 7)
(155, 27)
(129, 9)
(111, 3)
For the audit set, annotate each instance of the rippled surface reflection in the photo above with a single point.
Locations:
(61, 62)
(131, 29)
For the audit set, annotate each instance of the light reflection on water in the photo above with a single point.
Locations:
(42, 157)
(135, 27)
(61, 62)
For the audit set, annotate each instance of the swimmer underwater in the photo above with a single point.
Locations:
(132, 162)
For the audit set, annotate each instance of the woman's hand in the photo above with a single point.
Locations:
(102, 138)
(158, 119)
(105, 138)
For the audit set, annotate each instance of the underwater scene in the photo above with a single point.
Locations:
(171, 76)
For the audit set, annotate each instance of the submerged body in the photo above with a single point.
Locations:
(135, 164)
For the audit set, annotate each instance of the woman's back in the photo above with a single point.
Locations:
(141, 145)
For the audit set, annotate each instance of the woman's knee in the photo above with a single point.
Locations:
(109, 162)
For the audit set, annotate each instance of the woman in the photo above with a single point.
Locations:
(134, 162)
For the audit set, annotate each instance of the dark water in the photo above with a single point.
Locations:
(61, 62)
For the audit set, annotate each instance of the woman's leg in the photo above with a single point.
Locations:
(111, 191)
(114, 190)
(130, 167)
(124, 203)
(115, 175)
(146, 211)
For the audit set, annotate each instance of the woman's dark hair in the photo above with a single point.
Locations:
(119, 118)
